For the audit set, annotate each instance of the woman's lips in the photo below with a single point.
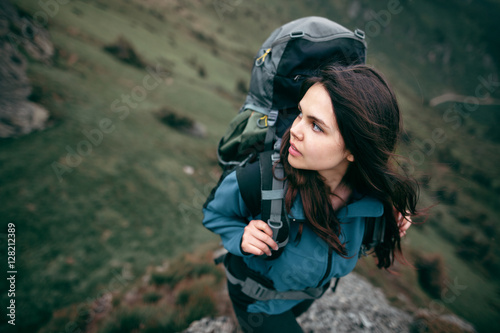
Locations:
(293, 150)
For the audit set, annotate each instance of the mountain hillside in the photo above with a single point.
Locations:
(140, 91)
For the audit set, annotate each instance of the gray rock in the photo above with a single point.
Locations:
(215, 325)
(25, 33)
(14, 83)
(21, 117)
(356, 306)
(18, 116)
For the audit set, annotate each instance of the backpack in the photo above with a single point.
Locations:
(291, 53)
(252, 142)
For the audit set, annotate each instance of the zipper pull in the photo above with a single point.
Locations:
(259, 123)
(260, 60)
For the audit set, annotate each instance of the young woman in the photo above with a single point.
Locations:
(339, 169)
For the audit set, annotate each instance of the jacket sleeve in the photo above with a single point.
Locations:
(227, 215)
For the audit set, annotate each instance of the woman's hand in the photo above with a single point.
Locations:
(403, 223)
(257, 238)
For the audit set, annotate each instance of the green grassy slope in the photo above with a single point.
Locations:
(128, 204)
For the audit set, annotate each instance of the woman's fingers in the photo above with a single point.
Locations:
(257, 238)
(260, 236)
(257, 249)
(261, 225)
(402, 230)
(250, 244)
(404, 222)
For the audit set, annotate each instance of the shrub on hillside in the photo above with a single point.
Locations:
(241, 87)
(446, 157)
(431, 273)
(204, 38)
(181, 123)
(468, 217)
(142, 319)
(432, 323)
(196, 301)
(491, 263)
(155, 13)
(425, 180)
(202, 72)
(197, 66)
(473, 246)
(481, 178)
(175, 120)
(126, 320)
(180, 270)
(447, 196)
(124, 51)
(151, 297)
(187, 290)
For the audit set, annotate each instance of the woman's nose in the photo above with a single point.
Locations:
(296, 130)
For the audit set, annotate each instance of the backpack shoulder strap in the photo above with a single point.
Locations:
(263, 194)
(374, 234)
(249, 183)
(272, 199)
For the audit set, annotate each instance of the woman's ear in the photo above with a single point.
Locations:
(350, 157)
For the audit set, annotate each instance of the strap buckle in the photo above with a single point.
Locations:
(257, 291)
(275, 224)
(277, 145)
(359, 33)
(272, 117)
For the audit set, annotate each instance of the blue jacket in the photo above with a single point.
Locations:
(302, 264)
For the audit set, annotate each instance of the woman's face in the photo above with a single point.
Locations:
(315, 140)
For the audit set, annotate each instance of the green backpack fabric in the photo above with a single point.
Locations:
(244, 137)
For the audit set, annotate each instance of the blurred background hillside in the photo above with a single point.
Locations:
(106, 180)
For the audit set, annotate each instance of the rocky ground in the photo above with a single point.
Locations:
(356, 306)
(20, 36)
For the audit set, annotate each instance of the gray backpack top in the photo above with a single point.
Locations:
(293, 51)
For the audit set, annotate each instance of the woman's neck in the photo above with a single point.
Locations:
(332, 179)
(340, 197)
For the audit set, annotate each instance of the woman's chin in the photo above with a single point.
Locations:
(293, 162)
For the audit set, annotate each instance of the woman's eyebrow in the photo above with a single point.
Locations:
(319, 121)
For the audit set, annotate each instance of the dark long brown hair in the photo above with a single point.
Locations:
(370, 123)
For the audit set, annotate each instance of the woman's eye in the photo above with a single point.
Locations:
(316, 128)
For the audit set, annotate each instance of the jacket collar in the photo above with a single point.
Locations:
(365, 206)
